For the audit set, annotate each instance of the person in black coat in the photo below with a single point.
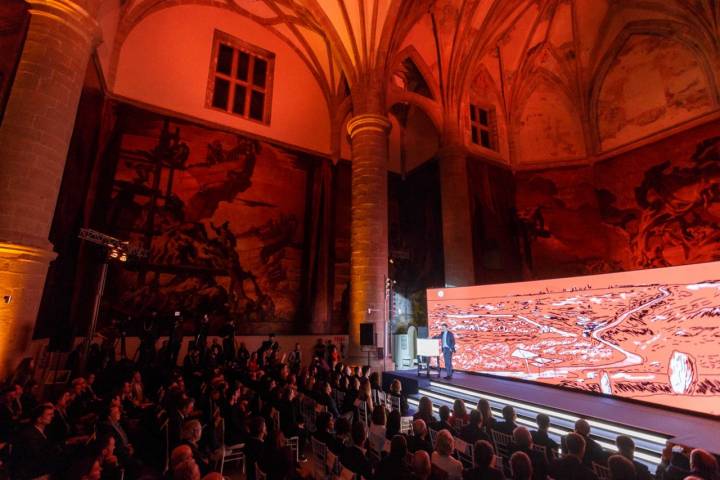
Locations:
(541, 437)
(395, 465)
(325, 398)
(593, 451)
(447, 344)
(443, 423)
(421, 438)
(354, 458)
(508, 425)
(473, 431)
(324, 425)
(626, 448)
(255, 445)
(277, 460)
(571, 467)
(34, 455)
(484, 464)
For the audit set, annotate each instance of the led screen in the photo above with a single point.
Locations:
(650, 335)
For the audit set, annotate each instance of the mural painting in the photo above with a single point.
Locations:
(221, 217)
(656, 206)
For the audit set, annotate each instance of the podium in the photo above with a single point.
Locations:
(427, 348)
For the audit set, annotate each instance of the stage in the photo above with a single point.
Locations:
(651, 427)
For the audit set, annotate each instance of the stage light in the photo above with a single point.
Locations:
(114, 253)
(123, 257)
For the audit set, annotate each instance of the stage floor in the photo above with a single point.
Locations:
(681, 428)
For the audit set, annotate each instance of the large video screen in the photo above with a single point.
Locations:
(650, 335)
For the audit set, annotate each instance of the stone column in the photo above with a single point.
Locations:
(368, 228)
(456, 216)
(34, 140)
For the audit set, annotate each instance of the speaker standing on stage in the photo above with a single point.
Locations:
(448, 348)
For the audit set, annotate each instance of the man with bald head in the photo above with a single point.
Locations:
(523, 442)
(420, 439)
(593, 451)
(179, 455)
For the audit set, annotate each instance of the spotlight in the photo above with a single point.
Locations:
(114, 253)
(123, 258)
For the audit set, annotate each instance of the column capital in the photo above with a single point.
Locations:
(71, 14)
(368, 122)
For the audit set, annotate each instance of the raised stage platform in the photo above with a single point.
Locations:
(650, 427)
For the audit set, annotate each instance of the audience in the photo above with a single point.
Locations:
(111, 424)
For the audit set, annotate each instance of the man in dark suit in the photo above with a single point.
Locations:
(443, 423)
(509, 425)
(473, 431)
(593, 451)
(447, 343)
(324, 425)
(626, 448)
(541, 437)
(484, 464)
(353, 457)
(33, 455)
(570, 467)
(255, 446)
(421, 438)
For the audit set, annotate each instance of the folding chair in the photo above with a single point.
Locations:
(293, 443)
(362, 411)
(406, 425)
(259, 474)
(503, 442)
(465, 452)
(394, 402)
(601, 471)
(234, 453)
(433, 436)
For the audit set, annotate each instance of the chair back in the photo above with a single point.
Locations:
(319, 450)
(503, 442)
(293, 443)
(393, 402)
(601, 471)
(259, 474)
(433, 436)
(465, 452)
(362, 411)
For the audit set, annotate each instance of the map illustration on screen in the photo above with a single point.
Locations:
(649, 335)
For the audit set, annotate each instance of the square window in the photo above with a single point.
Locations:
(240, 80)
(483, 127)
(485, 138)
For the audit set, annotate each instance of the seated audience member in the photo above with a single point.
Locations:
(593, 450)
(325, 398)
(395, 465)
(459, 417)
(323, 428)
(353, 457)
(443, 423)
(33, 455)
(421, 467)
(703, 465)
(420, 440)
(570, 466)
(521, 466)
(343, 428)
(675, 464)
(425, 411)
(541, 437)
(508, 424)
(392, 426)
(396, 391)
(488, 420)
(484, 464)
(621, 468)
(473, 431)
(277, 460)
(190, 436)
(255, 445)
(177, 417)
(442, 459)
(626, 448)
(113, 426)
(84, 468)
(187, 470)
(104, 450)
(522, 441)
(376, 435)
(180, 454)
(9, 413)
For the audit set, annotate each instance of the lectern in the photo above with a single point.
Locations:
(426, 349)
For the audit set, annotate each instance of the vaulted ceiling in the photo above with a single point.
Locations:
(561, 75)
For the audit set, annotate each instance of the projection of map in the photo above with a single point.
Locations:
(649, 335)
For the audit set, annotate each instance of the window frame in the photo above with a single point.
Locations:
(254, 52)
(491, 128)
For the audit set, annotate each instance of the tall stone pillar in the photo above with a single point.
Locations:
(456, 216)
(368, 228)
(34, 139)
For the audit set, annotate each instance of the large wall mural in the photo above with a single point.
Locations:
(656, 206)
(221, 217)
